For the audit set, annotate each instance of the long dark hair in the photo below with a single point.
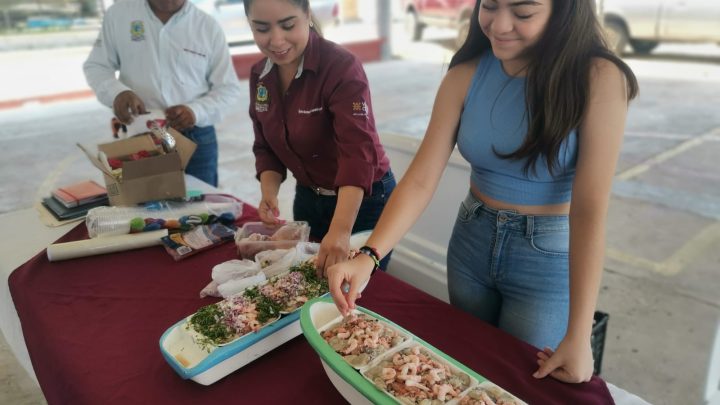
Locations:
(304, 5)
(558, 76)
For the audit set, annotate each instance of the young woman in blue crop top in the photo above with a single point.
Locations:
(537, 104)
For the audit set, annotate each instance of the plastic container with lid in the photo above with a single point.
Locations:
(255, 237)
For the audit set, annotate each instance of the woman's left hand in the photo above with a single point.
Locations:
(571, 363)
(334, 248)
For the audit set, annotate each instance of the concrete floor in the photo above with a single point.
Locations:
(660, 284)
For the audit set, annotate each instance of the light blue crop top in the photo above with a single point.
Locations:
(494, 115)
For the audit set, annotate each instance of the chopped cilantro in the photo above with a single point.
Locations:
(208, 322)
(267, 309)
(252, 292)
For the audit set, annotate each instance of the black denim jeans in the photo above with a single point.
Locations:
(318, 210)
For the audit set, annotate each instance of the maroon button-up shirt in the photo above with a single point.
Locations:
(322, 128)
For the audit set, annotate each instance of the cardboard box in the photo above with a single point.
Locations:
(154, 178)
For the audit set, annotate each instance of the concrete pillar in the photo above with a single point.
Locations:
(384, 25)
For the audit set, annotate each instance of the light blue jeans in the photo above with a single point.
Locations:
(511, 270)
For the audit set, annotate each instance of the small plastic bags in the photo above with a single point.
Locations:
(234, 269)
(233, 276)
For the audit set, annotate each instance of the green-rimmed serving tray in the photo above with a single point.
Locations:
(349, 382)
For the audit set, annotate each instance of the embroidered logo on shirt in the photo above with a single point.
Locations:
(194, 52)
(359, 108)
(308, 112)
(262, 98)
(137, 30)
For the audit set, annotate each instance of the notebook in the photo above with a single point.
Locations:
(84, 192)
(62, 213)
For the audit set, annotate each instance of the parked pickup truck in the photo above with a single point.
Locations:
(439, 13)
(643, 24)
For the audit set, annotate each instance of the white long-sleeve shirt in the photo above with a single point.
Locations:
(184, 61)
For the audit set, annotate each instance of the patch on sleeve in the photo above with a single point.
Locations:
(98, 43)
(360, 108)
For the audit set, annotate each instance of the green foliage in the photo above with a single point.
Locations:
(88, 8)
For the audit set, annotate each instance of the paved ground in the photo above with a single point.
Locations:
(660, 285)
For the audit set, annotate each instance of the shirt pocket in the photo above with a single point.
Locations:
(312, 132)
(191, 68)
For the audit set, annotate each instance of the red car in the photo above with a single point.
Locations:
(438, 13)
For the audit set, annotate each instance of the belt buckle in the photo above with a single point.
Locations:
(323, 191)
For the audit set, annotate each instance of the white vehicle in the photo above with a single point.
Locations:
(643, 24)
(231, 16)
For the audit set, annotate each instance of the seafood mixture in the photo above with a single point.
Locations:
(240, 314)
(361, 338)
(414, 376)
(228, 320)
(256, 307)
(291, 290)
(489, 395)
(290, 231)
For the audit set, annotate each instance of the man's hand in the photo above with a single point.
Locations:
(126, 105)
(180, 117)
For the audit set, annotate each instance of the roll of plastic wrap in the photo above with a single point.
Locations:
(108, 244)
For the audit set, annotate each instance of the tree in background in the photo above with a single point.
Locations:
(88, 8)
(5, 5)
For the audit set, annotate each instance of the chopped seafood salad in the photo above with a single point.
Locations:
(413, 375)
(291, 290)
(248, 311)
(488, 393)
(360, 339)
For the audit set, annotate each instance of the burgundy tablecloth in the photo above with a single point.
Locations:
(92, 327)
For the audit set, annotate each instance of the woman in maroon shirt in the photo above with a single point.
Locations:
(311, 112)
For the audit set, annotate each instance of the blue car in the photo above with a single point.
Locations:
(48, 22)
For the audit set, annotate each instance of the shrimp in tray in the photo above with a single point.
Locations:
(488, 393)
(361, 338)
(414, 375)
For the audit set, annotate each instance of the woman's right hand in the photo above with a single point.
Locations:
(345, 280)
(269, 211)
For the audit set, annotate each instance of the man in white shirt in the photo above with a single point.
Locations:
(170, 56)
